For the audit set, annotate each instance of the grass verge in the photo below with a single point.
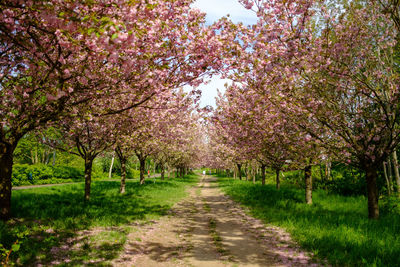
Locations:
(51, 220)
(335, 227)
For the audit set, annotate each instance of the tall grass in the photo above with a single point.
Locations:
(335, 227)
(48, 216)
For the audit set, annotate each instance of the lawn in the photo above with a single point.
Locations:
(335, 227)
(47, 219)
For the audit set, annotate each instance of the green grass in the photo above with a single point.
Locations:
(49, 216)
(217, 240)
(335, 227)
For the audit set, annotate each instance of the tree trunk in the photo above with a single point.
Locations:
(386, 178)
(321, 172)
(308, 183)
(263, 174)
(6, 163)
(372, 191)
(111, 167)
(390, 173)
(329, 168)
(88, 176)
(54, 157)
(246, 171)
(123, 175)
(239, 170)
(278, 182)
(142, 164)
(162, 171)
(36, 157)
(396, 170)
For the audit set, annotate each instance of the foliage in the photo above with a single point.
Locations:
(24, 174)
(53, 214)
(334, 227)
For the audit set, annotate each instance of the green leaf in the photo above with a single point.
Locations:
(15, 247)
(115, 35)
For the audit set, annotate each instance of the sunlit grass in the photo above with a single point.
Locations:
(335, 228)
(50, 215)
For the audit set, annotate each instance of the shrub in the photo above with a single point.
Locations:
(67, 172)
(24, 174)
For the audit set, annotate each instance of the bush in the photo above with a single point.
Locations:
(24, 174)
(67, 172)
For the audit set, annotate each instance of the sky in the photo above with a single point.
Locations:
(216, 9)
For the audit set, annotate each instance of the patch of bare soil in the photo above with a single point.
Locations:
(209, 229)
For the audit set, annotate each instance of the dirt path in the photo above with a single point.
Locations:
(209, 229)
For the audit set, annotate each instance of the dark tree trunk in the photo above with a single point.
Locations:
(142, 162)
(239, 167)
(372, 191)
(123, 175)
(278, 182)
(162, 171)
(308, 183)
(6, 163)
(263, 174)
(88, 176)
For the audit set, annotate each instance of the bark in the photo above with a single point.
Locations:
(328, 169)
(162, 171)
(372, 191)
(111, 167)
(321, 172)
(142, 164)
(239, 166)
(396, 170)
(123, 175)
(386, 178)
(54, 157)
(390, 173)
(6, 163)
(263, 174)
(88, 176)
(308, 183)
(278, 182)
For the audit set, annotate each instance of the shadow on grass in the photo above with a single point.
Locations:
(49, 216)
(334, 227)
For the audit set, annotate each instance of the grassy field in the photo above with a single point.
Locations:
(335, 228)
(54, 222)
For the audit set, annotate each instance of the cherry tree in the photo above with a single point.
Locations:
(86, 137)
(335, 70)
(56, 55)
